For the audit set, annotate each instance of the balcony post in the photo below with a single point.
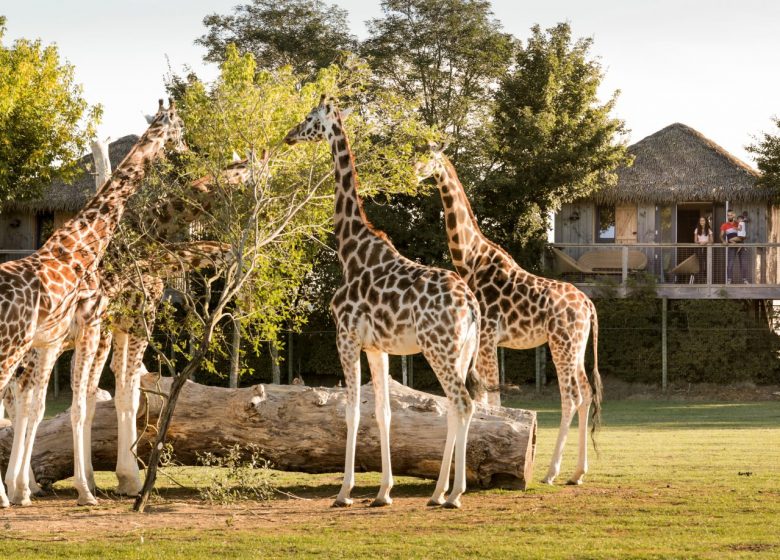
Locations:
(709, 266)
(624, 263)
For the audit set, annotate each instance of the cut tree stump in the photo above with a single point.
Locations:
(302, 429)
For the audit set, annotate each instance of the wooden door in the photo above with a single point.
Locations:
(625, 224)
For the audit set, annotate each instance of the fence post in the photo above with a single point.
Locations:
(56, 379)
(411, 371)
(709, 266)
(404, 372)
(538, 363)
(664, 363)
(501, 367)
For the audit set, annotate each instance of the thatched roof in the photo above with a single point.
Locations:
(679, 164)
(62, 197)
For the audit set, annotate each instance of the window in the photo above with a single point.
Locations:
(605, 224)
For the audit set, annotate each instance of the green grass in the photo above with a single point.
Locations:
(672, 480)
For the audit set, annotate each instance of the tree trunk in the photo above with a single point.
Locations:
(276, 373)
(302, 429)
(235, 355)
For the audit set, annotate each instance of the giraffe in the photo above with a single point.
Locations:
(128, 332)
(56, 290)
(389, 304)
(521, 310)
(136, 300)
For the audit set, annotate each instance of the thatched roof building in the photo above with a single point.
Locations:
(680, 164)
(62, 197)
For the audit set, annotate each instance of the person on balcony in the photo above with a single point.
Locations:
(729, 234)
(702, 235)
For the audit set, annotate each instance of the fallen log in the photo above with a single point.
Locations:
(303, 429)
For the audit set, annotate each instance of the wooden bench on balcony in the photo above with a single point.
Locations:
(611, 261)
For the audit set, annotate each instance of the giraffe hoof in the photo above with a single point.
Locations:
(435, 502)
(87, 501)
(454, 504)
(548, 481)
(342, 503)
(574, 482)
(4, 503)
(381, 502)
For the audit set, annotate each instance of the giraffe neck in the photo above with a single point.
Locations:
(82, 241)
(468, 246)
(172, 216)
(352, 228)
(177, 257)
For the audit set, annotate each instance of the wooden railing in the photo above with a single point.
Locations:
(747, 270)
(13, 254)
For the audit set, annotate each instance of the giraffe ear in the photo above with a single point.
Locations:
(149, 119)
(344, 113)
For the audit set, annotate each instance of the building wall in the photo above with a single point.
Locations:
(17, 231)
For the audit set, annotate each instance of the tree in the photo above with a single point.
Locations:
(448, 56)
(305, 34)
(767, 152)
(272, 222)
(45, 123)
(554, 141)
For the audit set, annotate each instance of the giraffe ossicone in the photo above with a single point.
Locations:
(521, 310)
(389, 304)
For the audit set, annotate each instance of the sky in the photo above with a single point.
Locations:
(710, 64)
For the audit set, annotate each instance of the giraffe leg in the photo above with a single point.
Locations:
(583, 411)
(29, 405)
(11, 356)
(349, 352)
(85, 350)
(462, 411)
(487, 367)
(22, 490)
(377, 361)
(98, 363)
(127, 367)
(443, 482)
(8, 405)
(452, 376)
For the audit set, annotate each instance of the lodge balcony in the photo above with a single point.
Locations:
(674, 270)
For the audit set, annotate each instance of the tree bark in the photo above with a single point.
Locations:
(302, 429)
(276, 372)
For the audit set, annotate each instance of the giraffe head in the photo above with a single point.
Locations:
(318, 123)
(167, 124)
(434, 165)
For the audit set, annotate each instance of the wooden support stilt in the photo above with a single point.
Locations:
(664, 364)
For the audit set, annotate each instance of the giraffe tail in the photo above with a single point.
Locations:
(596, 378)
(475, 385)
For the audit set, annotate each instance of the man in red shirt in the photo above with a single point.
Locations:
(729, 234)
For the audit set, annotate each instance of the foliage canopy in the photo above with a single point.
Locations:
(45, 123)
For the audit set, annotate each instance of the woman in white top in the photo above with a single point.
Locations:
(702, 235)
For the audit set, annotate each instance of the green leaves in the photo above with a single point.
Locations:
(554, 140)
(303, 34)
(767, 153)
(45, 123)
